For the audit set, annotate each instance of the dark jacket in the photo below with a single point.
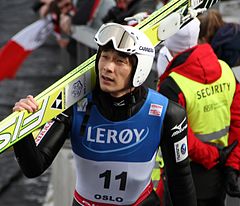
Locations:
(226, 44)
(118, 15)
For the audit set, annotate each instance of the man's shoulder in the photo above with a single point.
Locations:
(175, 112)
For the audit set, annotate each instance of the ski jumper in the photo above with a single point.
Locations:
(119, 149)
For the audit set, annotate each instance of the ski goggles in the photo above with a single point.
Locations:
(122, 39)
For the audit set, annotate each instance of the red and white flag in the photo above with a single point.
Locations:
(18, 48)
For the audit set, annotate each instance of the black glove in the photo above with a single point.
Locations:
(224, 152)
(231, 181)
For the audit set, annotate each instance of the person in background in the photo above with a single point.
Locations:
(81, 27)
(85, 11)
(67, 15)
(207, 88)
(222, 36)
(55, 9)
(44, 7)
(116, 130)
(129, 8)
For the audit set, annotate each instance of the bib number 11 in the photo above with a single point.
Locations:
(107, 178)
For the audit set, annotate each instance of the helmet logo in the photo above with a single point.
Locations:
(147, 49)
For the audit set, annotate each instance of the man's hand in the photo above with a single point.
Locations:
(65, 23)
(231, 181)
(27, 103)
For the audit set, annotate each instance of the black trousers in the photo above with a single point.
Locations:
(209, 185)
(218, 201)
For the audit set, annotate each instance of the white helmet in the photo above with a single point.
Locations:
(129, 40)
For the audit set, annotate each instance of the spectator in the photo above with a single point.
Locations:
(82, 26)
(128, 8)
(43, 7)
(223, 37)
(56, 8)
(198, 81)
(66, 16)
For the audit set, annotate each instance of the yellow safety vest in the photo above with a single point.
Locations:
(208, 105)
(156, 176)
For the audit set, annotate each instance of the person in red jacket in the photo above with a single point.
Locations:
(207, 88)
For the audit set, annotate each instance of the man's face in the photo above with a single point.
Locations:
(114, 73)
